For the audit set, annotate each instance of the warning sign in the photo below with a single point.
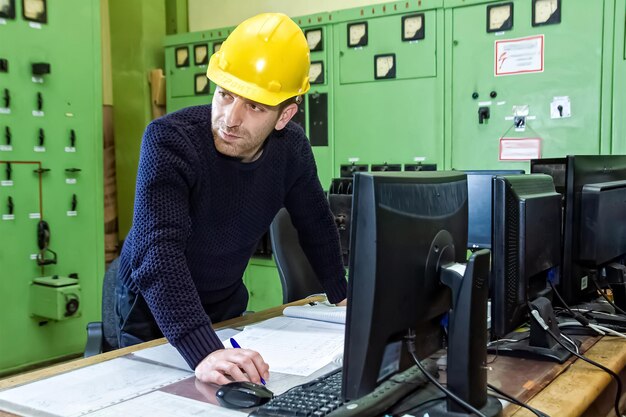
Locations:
(519, 56)
(520, 149)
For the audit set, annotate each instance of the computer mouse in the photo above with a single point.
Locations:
(243, 394)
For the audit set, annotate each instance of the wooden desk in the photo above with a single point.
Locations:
(572, 389)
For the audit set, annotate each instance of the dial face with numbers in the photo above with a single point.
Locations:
(35, 10)
(385, 66)
(316, 73)
(500, 17)
(357, 34)
(412, 27)
(544, 10)
(182, 57)
(314, 39)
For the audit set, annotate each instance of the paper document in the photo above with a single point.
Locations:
(167, 354)
(162, 404)
(318, 311)
(88, 389)
(294, 346)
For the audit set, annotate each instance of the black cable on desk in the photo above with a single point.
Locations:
(593, 279)
(537, 317)
(515, 401)
(577, 316)
(410, 342)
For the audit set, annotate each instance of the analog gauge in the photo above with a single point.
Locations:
(316, 72)
(385, 66)
(200, 54)
(7, 9)
(500, 17)
(413, 27)
(182, 57)
(201, 84)
(314, 39)
(357, 34)
(546, 12)
(217, 46)
(35, 10)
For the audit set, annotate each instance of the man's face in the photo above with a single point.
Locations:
(240, 126)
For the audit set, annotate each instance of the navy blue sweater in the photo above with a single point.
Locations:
(199, 215)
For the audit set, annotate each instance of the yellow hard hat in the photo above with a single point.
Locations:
(265, 59)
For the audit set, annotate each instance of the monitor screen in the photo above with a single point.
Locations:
(393, 283)
(479, 198)
(526, 246)
(583, 170)
(554, 167)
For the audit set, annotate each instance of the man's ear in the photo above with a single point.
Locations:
(286, 115)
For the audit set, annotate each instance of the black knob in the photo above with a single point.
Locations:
(4, 65)
(74, 202)
(40, 68)
(39, 102)
(41, 137)
(474, 95)
(73, 169)
(7, 135)
(72, 138)
(8, 171)
(71, 307)
(560, 109)
(493, 94)
(10, 205)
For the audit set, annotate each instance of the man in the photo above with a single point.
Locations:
(210, 181)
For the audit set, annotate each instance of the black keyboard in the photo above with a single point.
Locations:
(322, 397)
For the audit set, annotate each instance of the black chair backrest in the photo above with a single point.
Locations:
(108, 307)
(297, 277)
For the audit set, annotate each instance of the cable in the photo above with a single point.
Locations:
(410, 342)
(577, 316)
(515, 401)
(535, 314)
(593, 279)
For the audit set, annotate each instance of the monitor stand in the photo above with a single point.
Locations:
(538, 344)
(467, 335)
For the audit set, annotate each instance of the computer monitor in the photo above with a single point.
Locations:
(526, 250)
(578, 263)
(408, 231)
(554, 167)
(479, 198)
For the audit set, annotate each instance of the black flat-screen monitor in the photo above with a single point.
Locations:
(577, 264)
(408, 231)
(554, 167)
(479, 199)
(526, 246)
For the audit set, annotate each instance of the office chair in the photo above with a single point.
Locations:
(101, 335)
(297, 277)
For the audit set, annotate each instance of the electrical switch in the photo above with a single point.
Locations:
(73, 170)
(74, 202)
(483, 114)
(39, 102)
(7, 136)
(10, 205)
(40, 68)
(8, 170)
(41, 170)
(4, 65)
(42, 137)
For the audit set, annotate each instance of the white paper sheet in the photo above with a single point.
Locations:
(88, 389)
(294, 346)
(317, 311)
(162, 404)
(168, 355)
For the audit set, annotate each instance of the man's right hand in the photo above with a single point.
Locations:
(238, 364)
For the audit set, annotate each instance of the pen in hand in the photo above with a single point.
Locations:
(234, 343)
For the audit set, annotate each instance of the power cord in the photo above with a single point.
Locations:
(577, 316)
(515, 401)
(535, 314)
(595, 283)
(410, 343)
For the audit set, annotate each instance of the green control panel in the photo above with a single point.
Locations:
(51, 183)
(448, 84)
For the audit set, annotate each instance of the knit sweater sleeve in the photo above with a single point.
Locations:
(161, 226)
(309, 210)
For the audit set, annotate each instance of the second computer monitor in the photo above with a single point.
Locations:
(479, 200)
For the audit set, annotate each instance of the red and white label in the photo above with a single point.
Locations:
(519, 56)
(520, 149)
